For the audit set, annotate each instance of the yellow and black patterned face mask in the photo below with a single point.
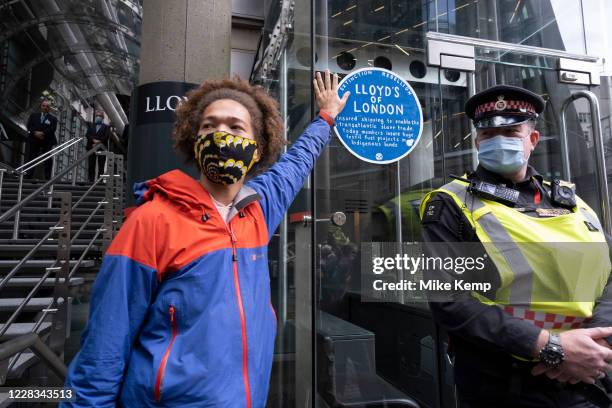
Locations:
(225, 158)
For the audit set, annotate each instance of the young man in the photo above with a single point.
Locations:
(180, 311)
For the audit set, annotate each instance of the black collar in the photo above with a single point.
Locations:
(490, 177)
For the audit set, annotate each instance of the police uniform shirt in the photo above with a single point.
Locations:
(467, 318)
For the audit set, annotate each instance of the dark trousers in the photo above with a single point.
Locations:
(92, 166)
(502, 381)
(34, 149)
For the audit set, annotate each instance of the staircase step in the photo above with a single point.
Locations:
(19, 329)
(50, 241)
(67, 186)
(34, 305)
(42, 263)
(25, 217)
(8, 193)
(40, 233)
(13, 194)
(52, 210)
(18, 249)
(45, 225)
(30, 282)
(43, 202)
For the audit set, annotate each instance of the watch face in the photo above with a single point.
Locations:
(552, 355)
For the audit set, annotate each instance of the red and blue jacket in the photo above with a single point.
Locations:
(180, 312)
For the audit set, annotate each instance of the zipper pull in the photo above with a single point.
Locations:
(171, 314)
(232, 236)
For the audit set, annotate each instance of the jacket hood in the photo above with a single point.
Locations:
(186, 193)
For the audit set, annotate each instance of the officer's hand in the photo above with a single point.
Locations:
(326, 93)
(585, 360)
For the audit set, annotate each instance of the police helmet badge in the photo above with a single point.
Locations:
(501, 104)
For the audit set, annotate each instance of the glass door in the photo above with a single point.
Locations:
(381, 351)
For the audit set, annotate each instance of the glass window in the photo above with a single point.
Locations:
(367, 350)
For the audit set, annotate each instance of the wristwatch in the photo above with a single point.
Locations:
(552, 354)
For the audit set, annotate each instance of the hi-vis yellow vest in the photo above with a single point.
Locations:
(552, 270)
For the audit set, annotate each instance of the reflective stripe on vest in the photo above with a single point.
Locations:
(519, 261)
(547, 320)
(521, 286)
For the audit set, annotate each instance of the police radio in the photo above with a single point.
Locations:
(489, 191)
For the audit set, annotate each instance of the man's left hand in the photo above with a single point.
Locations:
(326, 94)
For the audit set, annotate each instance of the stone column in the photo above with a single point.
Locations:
(183, 43)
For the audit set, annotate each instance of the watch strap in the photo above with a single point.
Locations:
(555, 340)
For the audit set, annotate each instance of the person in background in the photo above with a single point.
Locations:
(97, 133)
(41, 136)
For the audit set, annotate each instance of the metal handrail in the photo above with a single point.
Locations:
(51, 153)
(20, 264)
(82, 257)
(50, 308)
(600, 158)
(21, 203)
(33, 342)
(26, 258)
(66, 197)
(2, 171)
(41, 319)
(52, 229)
(15, 210)
(55, 305)
(22, 305)
(74, 237)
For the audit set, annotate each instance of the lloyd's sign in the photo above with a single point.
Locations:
(382, 121)
(152, 117)
(157, 101)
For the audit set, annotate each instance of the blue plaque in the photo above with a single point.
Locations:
(382, 121)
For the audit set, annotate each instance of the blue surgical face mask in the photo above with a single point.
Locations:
(99, 120)
(502, 155)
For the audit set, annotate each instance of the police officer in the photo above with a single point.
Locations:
(511, 348)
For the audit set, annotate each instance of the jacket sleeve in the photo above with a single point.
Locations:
(31, 126)
(602, 313)
(89, 135)
(466, 317)
(121, 294)
(280, 184)
(105, 135)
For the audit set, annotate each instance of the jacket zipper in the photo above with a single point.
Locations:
(162, 365)
(245, 344)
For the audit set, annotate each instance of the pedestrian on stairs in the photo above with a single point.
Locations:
(97, 133)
